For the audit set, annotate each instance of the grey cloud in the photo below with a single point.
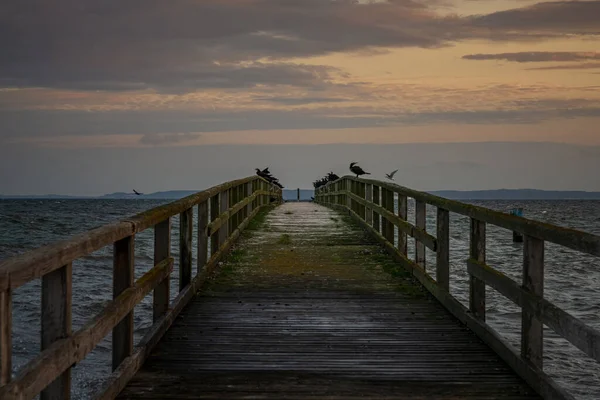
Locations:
(536, 56)
(292, 101)
(576, 66)
(171, 138)
(184, 45)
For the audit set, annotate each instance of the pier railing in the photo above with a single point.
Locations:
(223, 212)
(372, 203)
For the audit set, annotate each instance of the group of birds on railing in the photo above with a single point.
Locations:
(264, 173)
(355, 169)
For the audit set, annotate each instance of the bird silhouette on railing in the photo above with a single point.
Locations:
(332, 177)
(266, 174)
(355, 169)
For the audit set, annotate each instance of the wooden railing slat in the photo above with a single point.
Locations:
(202, 235)
(162, 251)
(123, 275)
(186, 230)
(421, 224)
(56, 323)
(223, 232)
(532, 329)
(443, 249)
(477, 252)
(5, 331)
(403, 216)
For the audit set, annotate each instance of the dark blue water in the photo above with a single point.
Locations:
(572, 280)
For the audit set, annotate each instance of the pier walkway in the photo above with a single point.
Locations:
(308, 305)
(297, 300)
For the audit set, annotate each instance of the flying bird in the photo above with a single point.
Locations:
(357, 170)
(390, 176)
(137, 193)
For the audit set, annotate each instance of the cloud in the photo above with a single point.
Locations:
(536, 56)
(171, 138)
(292, 101)
(187, 45)
(567, 66)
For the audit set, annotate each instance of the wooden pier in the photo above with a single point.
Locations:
(298, 300)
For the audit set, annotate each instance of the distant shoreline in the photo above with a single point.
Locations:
(306, 194)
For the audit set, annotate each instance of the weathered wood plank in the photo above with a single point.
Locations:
(5, 332)
(477, 252)
(389, 206)
(223, 232)
(186, 231)
(584, 337)
(62, 354)
(369, 199)
(223, 217)
(376, 202)
(56, 323)
(421, 224)
(443, 249)
(403, 216)
(162, 251)
(532, 329)
(202, 235)
(123, 276)
(571, 238)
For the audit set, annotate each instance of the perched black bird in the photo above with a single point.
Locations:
(266, 171)
(332, 177)
(357, 170)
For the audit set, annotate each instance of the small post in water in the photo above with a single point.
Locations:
(517, 237)
(298, 194)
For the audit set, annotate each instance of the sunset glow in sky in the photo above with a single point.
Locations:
(99, 76)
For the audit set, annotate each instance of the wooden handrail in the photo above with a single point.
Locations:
(233, 205)
(372, 209)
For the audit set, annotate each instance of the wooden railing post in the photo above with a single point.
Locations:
(123, 274)
(477, 253)
(202, 235)
(369, 198)
(443, 249)
(532, 329)
(384, 221)
(214, 214)
(250, 206)
(402, 214)
(186, 230)
(56, 323)
(162, 251)
(5, 331)
(376, 200)
(389, 205)
(421, 223)
(224, 206)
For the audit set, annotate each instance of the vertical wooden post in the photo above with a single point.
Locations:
(162, 251)
(123, 274)
(477, 253)
(224, 206)
(532, 329)
(442, 275)
(5, 331)
(56, 323)
(376, 200)
(186, 230)
(421, 223)
(249, 192)
(402, 214)
(202, 236)
(384, 221)
(298, 195)
(389, 205)
(348, 189)
(369, 198)
(214, 214)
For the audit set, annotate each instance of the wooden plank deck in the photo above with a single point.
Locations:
(309, 306)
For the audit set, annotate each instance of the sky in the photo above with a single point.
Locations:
(98, 97)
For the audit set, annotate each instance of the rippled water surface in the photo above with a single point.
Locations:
(572, 280)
